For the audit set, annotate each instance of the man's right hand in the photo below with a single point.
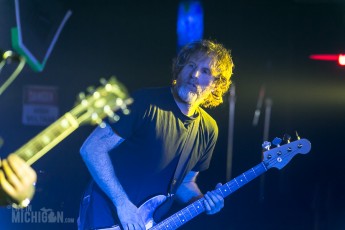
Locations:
(129, 216)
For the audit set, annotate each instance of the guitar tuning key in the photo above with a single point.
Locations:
(297, 136)
(114, 118)
(112, 80)
(81, 96)
(119, 102)
(107, 110)
(125, 111)
(90, 89)
(103, 81)
(129, 101)
(102, 125)
(98, 121)
(94, 116)
(276, 141)
(266, 145)
(286, 138)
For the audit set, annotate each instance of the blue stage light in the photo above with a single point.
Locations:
(190, 22)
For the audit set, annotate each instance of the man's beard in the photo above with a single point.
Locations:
(186, 95)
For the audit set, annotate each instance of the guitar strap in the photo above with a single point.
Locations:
(185, 156)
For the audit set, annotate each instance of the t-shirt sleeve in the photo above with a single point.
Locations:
(205, 160)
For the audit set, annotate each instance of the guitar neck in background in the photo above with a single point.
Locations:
(48, 138)
(92, 109)
(189, 212)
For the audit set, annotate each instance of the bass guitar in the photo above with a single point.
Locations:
(274, 158)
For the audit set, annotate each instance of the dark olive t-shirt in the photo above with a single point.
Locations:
(155, 133)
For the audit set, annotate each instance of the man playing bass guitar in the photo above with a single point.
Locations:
(136, 158)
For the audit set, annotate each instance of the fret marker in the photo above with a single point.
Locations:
(45, 139)
(28, 152)
(64, 123)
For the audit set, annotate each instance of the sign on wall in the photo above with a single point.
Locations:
(40, 105)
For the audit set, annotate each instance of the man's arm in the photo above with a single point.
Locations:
(95, 153)
(189, 191)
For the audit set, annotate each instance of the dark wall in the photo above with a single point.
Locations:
(136, 41)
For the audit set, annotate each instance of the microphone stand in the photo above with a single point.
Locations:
(232, 99)
(9, 56)
(268, 108)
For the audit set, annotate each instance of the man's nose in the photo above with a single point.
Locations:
(196, 73)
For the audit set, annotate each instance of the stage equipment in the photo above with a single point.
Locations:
(339, 58)
(230, 147)
(9, 57)
(190, 22)
(258, 106)
(17, 36)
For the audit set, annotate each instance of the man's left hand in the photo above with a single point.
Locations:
(213, 202)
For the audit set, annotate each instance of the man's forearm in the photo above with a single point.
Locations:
(101, 169)
(95, 153)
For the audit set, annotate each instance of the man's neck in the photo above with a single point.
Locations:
(186, 109)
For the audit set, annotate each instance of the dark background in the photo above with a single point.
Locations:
(136, 41)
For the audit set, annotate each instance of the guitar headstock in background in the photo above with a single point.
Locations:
(101, 102)
(91, 109)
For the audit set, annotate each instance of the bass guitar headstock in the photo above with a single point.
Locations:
(281, 155)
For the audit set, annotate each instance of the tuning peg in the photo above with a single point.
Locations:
(297, 136)
(113, 80)
(286, 138)
(114, 118)
(107, 110)
(103, 81)
(276, 141)
(90, 89)
(266, 145)
(102, 125)
(81, 96)
(126, 111)
(96, 119)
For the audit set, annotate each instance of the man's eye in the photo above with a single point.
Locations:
(206, 71)
(191, 65)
